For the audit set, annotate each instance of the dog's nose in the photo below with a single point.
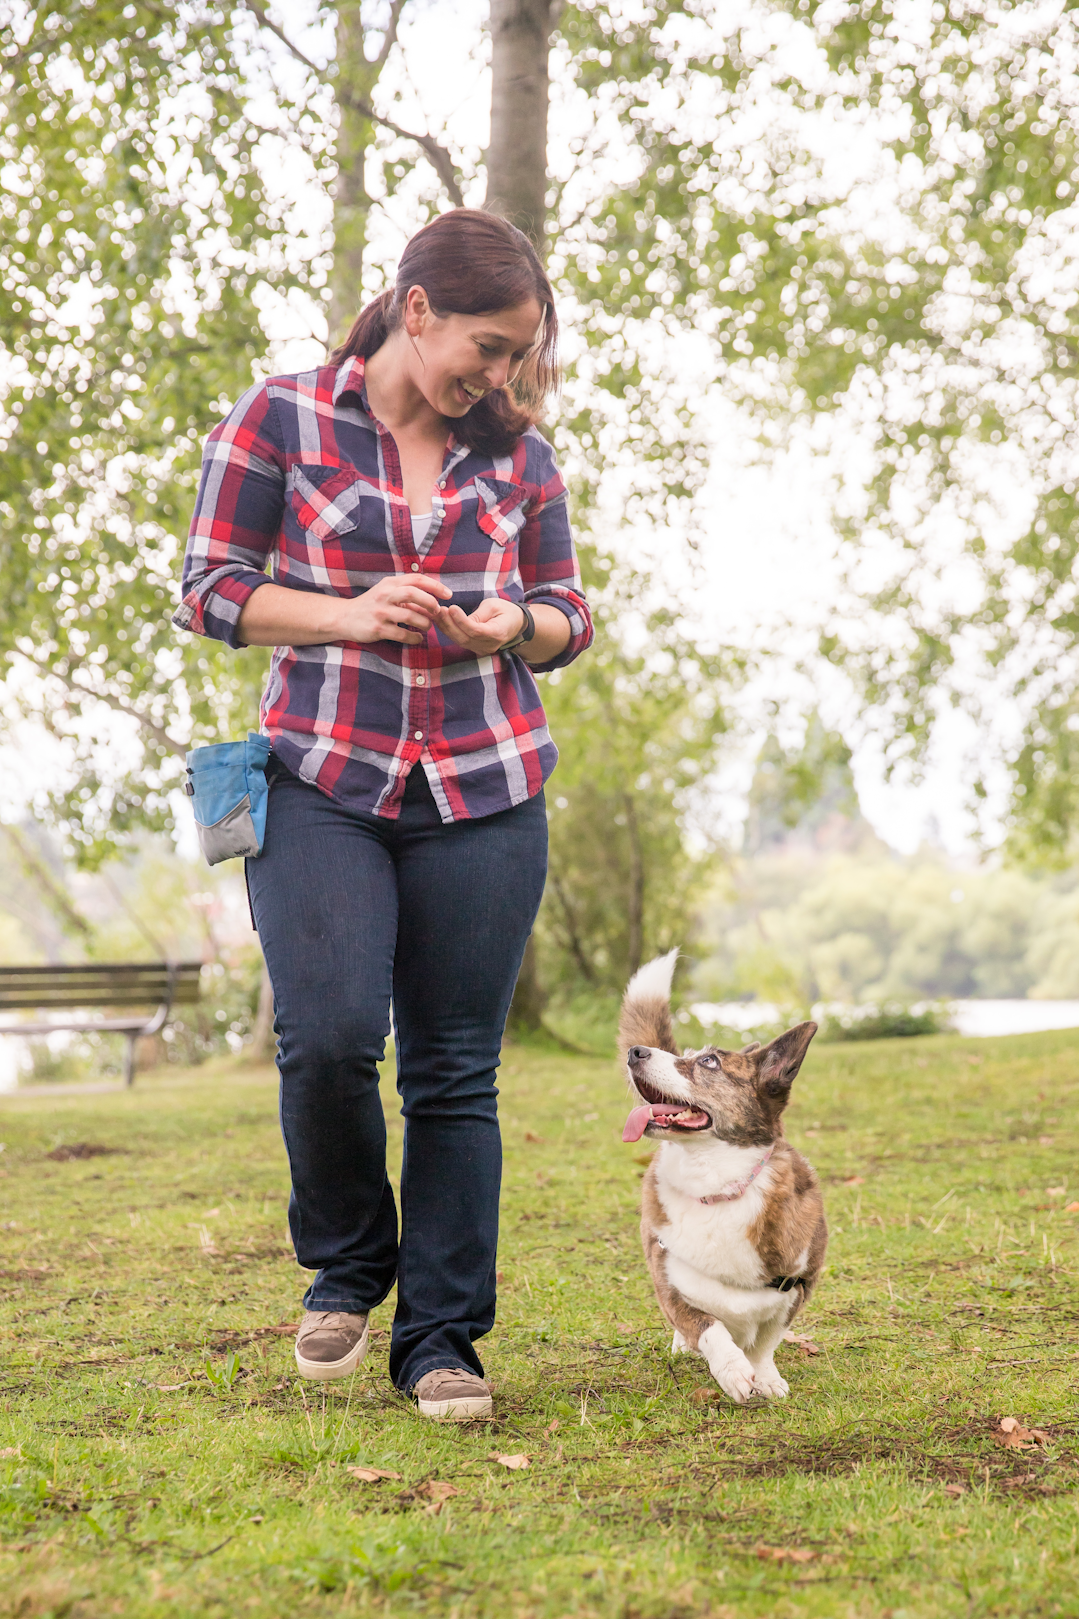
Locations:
(637, 1054)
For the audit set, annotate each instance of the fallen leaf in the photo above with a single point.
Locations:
(955, 1489)
(500, 1276)
(170, 1388)
(805, 1344)
(370, 1475)
(536, 1140)
(785, 1554)
(1046, 1141)
(513, 1462)
(1071, 1208)
(1014, 1436)
(855, 1180)
(1041, 1435)
(702, 1395)
(434, 1489)
(1055, 1191)
(621, 1326)
(10, 1450)
(552, 1425)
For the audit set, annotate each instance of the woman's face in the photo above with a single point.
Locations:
(455, 360)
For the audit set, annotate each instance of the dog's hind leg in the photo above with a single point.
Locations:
(679, 1345)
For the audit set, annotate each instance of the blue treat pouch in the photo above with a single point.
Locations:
(228, 789)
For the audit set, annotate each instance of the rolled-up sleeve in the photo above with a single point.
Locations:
(237, 518)
(548, 561)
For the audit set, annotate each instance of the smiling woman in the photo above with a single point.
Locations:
(422, 567)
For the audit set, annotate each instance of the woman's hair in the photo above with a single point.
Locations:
(472, 263)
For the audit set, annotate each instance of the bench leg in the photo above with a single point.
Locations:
(129, 1061)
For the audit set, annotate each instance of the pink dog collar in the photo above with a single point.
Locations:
(734, 1189)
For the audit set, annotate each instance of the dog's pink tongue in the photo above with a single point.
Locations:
(634, 1128)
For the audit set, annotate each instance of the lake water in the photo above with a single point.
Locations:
(969, 1017)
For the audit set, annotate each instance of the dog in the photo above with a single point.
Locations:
(732, 1218)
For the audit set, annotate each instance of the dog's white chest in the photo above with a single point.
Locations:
(712, 1239)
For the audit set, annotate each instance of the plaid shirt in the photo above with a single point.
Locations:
(301, 474)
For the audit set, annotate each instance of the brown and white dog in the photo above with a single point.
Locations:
(732, 1219)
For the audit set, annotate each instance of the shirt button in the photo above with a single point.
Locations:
(419, 680)
(419, 735)
(416, 567)
(442, 483)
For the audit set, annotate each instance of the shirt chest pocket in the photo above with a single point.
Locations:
(327, 502)
(500, 509)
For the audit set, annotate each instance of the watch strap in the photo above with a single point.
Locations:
(526, 632)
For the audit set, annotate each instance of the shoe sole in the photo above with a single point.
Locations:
(456, 1410)
(328, 1371)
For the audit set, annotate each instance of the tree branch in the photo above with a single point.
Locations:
(436, 155)
(390, 36)
(158, 732)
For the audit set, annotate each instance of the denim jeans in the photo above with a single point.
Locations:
(353, 912)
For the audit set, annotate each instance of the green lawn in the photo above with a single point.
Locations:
(157, 1456)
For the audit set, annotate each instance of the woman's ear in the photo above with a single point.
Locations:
(418, 311)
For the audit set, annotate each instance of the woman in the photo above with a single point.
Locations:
(422, 568)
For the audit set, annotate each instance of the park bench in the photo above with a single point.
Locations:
(160, 984)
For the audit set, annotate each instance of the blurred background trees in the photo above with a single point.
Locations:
(182, 183)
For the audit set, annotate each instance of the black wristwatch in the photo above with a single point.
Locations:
(526, 632)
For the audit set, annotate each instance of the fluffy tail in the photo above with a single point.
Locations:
(646, 1007)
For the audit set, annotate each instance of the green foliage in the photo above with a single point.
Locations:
(938, 323)
(810, 790)
(877, 927)
(140, 235)
(638, 734)
(891, 1021)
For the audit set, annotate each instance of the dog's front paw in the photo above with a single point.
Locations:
(736, 1377)
(767, 1381)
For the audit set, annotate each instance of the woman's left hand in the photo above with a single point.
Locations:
(494, 623)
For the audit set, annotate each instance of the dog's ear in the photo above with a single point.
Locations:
(781, 1059)
(755, 1045)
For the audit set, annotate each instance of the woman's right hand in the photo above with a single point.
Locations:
(400, 607)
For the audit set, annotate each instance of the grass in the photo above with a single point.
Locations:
(157, 1456)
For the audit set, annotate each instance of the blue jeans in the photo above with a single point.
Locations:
(354, 911)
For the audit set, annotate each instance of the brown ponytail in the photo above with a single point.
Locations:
(472, 263)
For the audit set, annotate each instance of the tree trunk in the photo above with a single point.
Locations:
(635, 899)
(527, 1007)
(351, 201)
(263, 1040)
(517, 154)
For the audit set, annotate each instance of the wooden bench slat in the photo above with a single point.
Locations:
(98, 984)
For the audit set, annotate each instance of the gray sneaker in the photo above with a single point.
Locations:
(452, 1395)
(330, 1344)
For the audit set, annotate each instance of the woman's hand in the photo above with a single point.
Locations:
(401, 607)
(494, 623)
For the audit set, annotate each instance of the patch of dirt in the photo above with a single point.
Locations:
(951, 1455)
(82, 1149)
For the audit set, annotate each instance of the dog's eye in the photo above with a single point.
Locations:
(709, 1061)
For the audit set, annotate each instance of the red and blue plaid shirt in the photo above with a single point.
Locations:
(301, 475)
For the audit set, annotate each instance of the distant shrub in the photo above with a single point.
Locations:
(891, 1020)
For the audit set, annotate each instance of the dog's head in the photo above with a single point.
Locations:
(734, 1096)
